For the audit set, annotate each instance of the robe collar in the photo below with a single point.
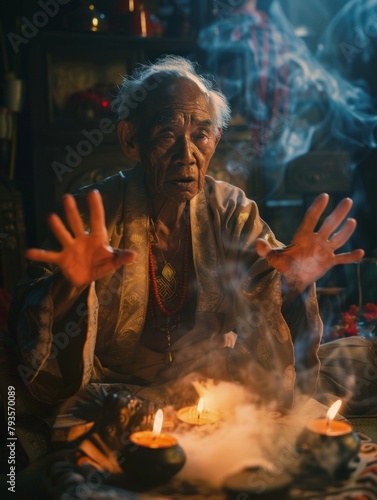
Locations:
(135, 287)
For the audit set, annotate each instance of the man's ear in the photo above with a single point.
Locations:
(127, 138)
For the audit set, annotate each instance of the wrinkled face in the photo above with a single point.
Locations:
(177, 140)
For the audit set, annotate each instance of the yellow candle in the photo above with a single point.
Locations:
(198, 415)
(329, 444)
(148, 439)
(154, 438)
(329, 428)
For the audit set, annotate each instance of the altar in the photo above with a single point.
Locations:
(243, 454)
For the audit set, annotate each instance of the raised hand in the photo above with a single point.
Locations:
(84, 257)
(311, 254)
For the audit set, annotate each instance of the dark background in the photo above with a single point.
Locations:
(41, 139)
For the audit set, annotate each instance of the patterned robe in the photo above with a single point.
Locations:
(242, 330)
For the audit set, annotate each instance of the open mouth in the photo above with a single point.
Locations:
(183, 181)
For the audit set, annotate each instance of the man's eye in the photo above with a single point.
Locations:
(165, 135)
(201, 136)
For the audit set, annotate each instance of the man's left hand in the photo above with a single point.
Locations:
(311, 254)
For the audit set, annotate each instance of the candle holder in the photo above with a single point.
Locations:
(329, 446)
(149, 460)
(190, 415)
(198, 415)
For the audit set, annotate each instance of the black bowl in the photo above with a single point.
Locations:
(332, 454)
(147, 468)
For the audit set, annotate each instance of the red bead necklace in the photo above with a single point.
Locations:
(155, 294)
(183, 285)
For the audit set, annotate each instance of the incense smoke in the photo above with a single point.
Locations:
(247, 436)
(289, 98)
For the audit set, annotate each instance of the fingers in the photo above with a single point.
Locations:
(123, 257)
(73, 216)
(338, 239)
(314, 212)
(42, 255)
(97, 217)
(112, 260)
(336, 217)
(349, 257)
(97, 212)
(60, 231)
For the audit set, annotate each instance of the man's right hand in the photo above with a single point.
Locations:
(85, 257)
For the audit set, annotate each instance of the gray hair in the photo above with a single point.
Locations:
(134, 89)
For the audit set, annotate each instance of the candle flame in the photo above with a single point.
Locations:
(333, 410)
(157, 424)
(200, 406)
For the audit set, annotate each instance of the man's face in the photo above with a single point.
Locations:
(177, 140)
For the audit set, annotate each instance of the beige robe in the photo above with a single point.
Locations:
(98, 339)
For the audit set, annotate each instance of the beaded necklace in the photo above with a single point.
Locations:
(166, 281)
(168, 272)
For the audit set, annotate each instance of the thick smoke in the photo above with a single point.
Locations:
(292, 100)
(248, 435)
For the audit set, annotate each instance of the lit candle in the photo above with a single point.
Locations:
(332, 411)
(328, 426)
(329, 444)
(154, 438)
(157, 423)
(198, 415)
(151, 457)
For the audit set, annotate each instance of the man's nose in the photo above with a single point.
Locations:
(184, 152)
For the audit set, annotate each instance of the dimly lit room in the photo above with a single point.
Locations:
(188, 249)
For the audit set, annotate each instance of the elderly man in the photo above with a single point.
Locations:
(161, 271)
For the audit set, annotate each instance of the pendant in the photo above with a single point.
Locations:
(169, 327)
(169, 357)
(168, 271)
(167, 284)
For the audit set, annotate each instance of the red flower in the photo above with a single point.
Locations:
(353, 310)
(353, 322)
(370, 312)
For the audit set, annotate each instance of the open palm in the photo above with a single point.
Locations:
(85, 256)
(311, 254)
